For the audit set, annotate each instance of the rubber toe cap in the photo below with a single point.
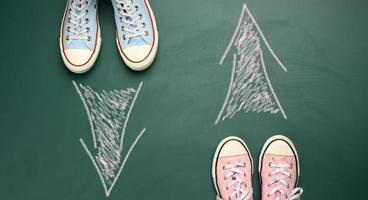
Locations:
(78, 57)
(137, 53)
(279, 147)
(232, 148)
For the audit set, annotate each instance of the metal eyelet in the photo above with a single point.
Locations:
(268, 195)
(68, 29)
(88, 29)
(143, 25)
(140, 16)
(87, 20)
(146, 33)
(67, 38)
(122, 28)
(89, 38)
(136, 8)
(124, 38)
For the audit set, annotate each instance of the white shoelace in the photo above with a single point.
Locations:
(239, 193)
(78, 12)
(280, 173)
(127, 11)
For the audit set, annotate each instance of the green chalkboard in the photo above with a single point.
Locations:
(323, 94)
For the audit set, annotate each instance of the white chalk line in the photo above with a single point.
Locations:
(125, 159)
(271, 88)
(88, 113)
(232, 38)
(228, 91)
(129, 112)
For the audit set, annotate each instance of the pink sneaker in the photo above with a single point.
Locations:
(279, 170)
(232, 170)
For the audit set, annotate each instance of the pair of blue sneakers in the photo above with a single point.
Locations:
(80, 35)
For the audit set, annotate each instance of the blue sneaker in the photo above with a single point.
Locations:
(137, 35)
(80, 37)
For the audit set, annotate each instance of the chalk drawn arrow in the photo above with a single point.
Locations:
(108, 114)
(250, 89)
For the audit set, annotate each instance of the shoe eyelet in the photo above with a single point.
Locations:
(87, 20)
(140, 16)
(136, 8)
(67, 38)
(269, 164)
(146, 33)
(143, 25)
(124, 38)
(89, 38)
(268, 195)
(288, 186)
(122, 28)
(88, 29)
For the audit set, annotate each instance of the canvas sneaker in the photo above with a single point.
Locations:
(136, 35)
(279, 170)
(232, 170)
(80, 37)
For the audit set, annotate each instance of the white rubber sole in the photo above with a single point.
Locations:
(84, 68)
(269, 141)
(217, 153)
(139, 66)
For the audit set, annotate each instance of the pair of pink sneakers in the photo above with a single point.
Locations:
(278, 168)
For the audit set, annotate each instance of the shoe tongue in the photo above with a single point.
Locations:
(78, 44)
(137, 41)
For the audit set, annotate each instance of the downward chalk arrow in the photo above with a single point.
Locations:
(108, 114)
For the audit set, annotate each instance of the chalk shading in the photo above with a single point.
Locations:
(250, 89)
(108, 114)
